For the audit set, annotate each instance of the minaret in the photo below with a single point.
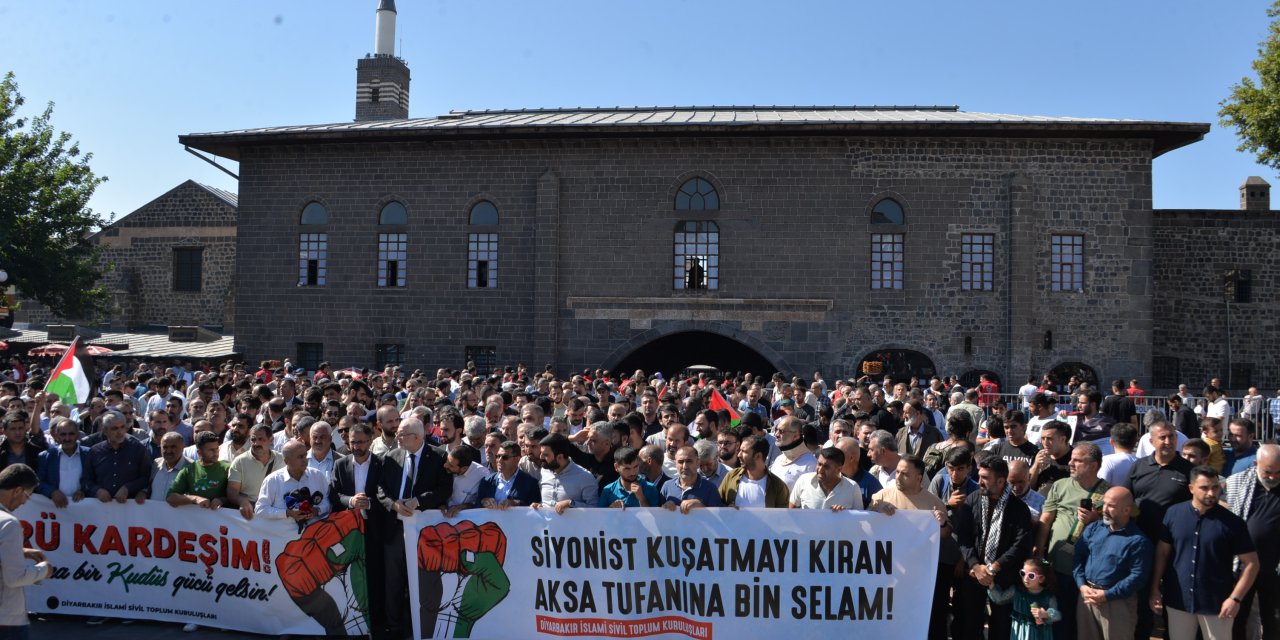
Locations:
(382, 79)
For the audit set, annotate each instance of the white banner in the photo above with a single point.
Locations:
(190, 564)
(637, 573)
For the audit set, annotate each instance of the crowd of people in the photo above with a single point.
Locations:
(1064, 513)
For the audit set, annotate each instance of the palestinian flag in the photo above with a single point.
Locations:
(68, 379)
(718, 402)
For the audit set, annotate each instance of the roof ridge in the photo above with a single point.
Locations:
(754, 107)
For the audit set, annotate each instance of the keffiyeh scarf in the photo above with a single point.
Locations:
(992, 538)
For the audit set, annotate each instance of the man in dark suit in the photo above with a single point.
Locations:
(353, 486)
(509, 486)
(412, 478)
(50, 463)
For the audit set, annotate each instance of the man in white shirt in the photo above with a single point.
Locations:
(1026, 391)
(1115, 466)
(826, 487)
(1042, 413)
(237, 438)
(274, 501)
(62, 470)
(467, 474)
(796, 459)
(321, 457)
(167, 466)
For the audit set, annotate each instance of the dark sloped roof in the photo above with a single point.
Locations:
(222, 194)
(709, 120)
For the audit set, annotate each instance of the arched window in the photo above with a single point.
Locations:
(482, 248)
(697, 255)
(315, 213)
(393, 213)
(313, 248)
(887, 211)
(697, 195)
(484, 213)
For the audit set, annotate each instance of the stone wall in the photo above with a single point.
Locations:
(1197, 337)
(586, 222)
(138, 262)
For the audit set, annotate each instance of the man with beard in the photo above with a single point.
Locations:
(1254, 495)
(1157, 482)
(1112, 561)
(727, 442)
(389, 422)
(464, 464)
(564, 484)
(599, 458)
(248, 470)
(689, 489)
(994, 532)
(237, 438)
(751, 485)
(796, 459)
(1071, 505)
(1194, 577)
(530, 451)
(629, 490)
(204, 482)
(1051, 462)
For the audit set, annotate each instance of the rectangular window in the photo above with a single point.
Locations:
(886, 260)
(1067, 268)
(1166, 372)
(388, 355)
(977, 261)
(697, 256)
(313, 259)
(1241, 375)
(310, 355)
(393, 252)
(482, 260)
(485, 358)
(188, 268)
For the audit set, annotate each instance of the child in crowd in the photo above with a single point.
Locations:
(1035, 609)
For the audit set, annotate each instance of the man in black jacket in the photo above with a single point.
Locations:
(993, 528)
(412, 478)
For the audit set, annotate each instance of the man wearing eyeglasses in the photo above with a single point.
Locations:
(509, 486)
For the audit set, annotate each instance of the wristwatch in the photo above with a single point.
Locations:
(1237, 600)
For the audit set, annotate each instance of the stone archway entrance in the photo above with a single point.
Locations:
(676, 352)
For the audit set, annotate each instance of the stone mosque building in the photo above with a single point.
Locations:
(790, 238)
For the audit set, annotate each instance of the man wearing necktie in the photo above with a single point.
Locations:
(412, 478)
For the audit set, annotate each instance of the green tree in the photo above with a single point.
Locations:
(1253, 107)
(45, 221)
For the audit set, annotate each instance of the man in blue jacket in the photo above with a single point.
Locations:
(508, 486)
(63, 470)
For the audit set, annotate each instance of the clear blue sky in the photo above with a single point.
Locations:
(129, 76)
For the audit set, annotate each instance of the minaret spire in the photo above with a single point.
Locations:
(382, 79)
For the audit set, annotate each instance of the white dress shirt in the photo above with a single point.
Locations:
(69, 471)
(279, 484)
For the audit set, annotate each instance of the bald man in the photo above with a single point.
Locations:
(1254, 495)
(852, 470)
(1112, 562)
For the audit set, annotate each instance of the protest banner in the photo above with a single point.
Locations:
(644, 573)
(189, 564)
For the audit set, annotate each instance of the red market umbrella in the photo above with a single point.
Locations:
(55, 349)
(351, 373)
(4, 346)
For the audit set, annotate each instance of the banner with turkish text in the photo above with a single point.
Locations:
(651, 573)
(189, 564)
